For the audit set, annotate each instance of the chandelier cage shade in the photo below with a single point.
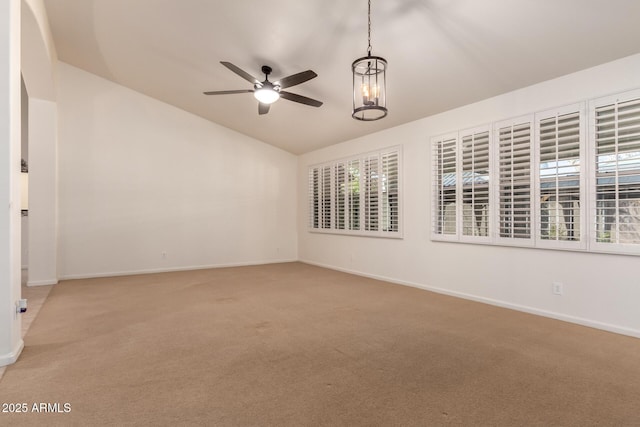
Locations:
(369, 88)
(369, 82)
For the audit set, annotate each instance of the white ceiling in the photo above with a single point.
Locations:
(441, 53)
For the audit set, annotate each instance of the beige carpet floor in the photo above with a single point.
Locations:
(297, 345)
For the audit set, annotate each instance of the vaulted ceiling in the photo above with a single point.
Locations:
(442, 53)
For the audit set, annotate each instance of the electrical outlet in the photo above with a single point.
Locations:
(164, 255)
(557, 288)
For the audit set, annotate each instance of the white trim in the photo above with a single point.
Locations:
(498, 303)
(42, 282)
(359, 233)
(168, 270)
(11, 358)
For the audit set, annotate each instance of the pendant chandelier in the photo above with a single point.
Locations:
(369, 84)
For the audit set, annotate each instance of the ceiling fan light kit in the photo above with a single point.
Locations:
(266, 92)
(266, 95)
(369, 83)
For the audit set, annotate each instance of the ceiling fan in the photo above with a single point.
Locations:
(267, 92)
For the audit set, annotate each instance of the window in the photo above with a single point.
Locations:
(542, 180)
(475, 182)
(354, 195)
(314, 199)
(371, 183)
(357, 196)
(514, 180)
(320, 200)
(615, 215)
(445, 185)
(390, 192)
(461, 185)
(560, 181)
(340, 194)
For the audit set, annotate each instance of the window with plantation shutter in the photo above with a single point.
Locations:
(444, 159)
(326, 197)
(320, 197)
(515, 180)
(371, 184)
(566, 178)
(340, 195)
(615, 210)
(389, 182)
(360, 195)
(560, 180)
(314, 198)
(354, 195)
(475, 183)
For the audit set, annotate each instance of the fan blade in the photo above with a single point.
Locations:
(263, 108)
(248, 77)
(299, 98)
(227, 92)
(296, 79)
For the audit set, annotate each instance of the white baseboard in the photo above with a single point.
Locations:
(170, 269)
(11, 358)
(531, 310)
(42, 282)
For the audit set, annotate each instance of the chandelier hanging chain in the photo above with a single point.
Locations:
(369, 28)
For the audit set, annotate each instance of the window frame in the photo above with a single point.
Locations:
(498, 239)
(594, 245)
(360, 204)
(580, 244)
(588, 181)
(435, 200)
(460, 203)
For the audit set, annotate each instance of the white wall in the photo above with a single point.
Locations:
(43, 190)
(139, 178)
(599, 290)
